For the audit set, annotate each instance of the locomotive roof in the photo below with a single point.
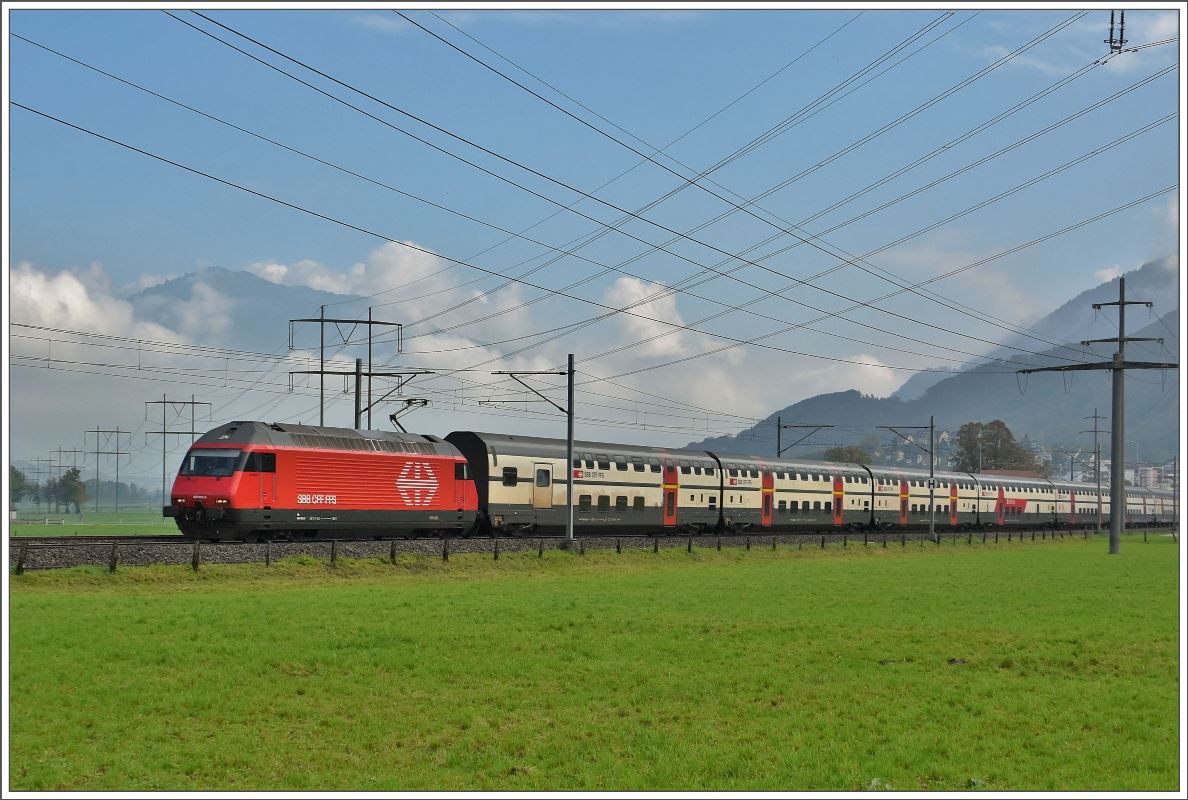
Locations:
(283, 434)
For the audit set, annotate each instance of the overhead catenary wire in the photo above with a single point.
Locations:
(368, 95)
(383, 237)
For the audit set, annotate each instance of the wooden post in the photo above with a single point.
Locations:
(445, 549)
(111, 564)
(581, 547)
(540, 548)
(689, 545)
(618, 547)
(334, 552)
(773, 543)
(748, 542)
(656, 545)
(884, 541)
(197, 556)
(865, 540)
(20, 565)
(822, 542)
(268, 553)
(719, 544)
(845, 540)
(392, 552)
(1144, 537)
(903, 540)
(496, 550)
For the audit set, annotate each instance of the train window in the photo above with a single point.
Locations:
(511, 476)
(589, 463)
(620, 462)
(544, 477)
(914, 508)
(638, 504)
(577, 463)
(793, 505)
(713, 501)
(260, 462)
(685, 470)
(621, 503)
(604, 502)
(461, 471)
(766, 504)
(584, 502)
(603, 460)
(696, 470)
(754, 473)
(684, 465)
(734, 473)
(866, 504)
(783, 506)
(828, 505)
(211, 462)
(655, 467)
(670, 505)
(638, 466)
(710, 471)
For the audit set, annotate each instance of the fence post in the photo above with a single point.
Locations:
(196, 557)
(496, 550)
(656, 544)
(445, 549)
(903, 540)
(540, 548)
(334, 552)
(748, 542)
(719, 544)
(392, 553)
(581, 547)
(1009, 535)
(618, 546)
(20, 565)
(1033, 536)
(996, 537)
(884, 541)
(689, 544)
(865, 541)
(773, 543)
(845, 540)
(970, 538)
(1144, 537)
(268, 553)
(822, 542)
(111, 564)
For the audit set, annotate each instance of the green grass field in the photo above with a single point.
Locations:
(135, 520)
(1033, 666)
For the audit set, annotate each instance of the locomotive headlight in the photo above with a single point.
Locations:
(222, 501)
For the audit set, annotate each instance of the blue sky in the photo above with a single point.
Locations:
(83, 206)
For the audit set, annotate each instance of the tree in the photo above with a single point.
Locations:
(73, 490)
(52, 492)
(990, 445)
(848, 455)
(18, 485)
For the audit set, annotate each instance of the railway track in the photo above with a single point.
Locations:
(112, 552)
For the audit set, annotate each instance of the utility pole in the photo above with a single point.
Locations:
(931, 428)
(102, 438)
(74, 454)
(1118, 367)
(322, 372)
(568, 542)
(359, 374)
(177, 406)
(780, 426)
(1096, 461)
(1116, 43)
(39, 471)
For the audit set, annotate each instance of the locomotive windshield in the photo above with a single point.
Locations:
(210, 463)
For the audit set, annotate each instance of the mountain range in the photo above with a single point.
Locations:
(1050, 408)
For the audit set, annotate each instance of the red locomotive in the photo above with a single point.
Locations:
(252, 479)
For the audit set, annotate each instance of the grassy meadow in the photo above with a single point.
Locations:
(1034, 666)
(126, 521)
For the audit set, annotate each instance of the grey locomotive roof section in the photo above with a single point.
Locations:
(281, 434)
(514, 445)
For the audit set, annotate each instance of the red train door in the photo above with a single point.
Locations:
(768, 492)
(670, 487)
(953, 503)
(839, 498)
(903, 502)
(1072, 507)
(1000, 507)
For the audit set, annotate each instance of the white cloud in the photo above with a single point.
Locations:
(384, 23)
(1107, 273)
(76, 300)
(663, 340)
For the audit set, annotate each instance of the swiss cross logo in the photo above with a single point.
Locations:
(417, 484)
(734, 481)
(577, 473)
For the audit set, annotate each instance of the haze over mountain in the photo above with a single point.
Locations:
(1050, 408)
